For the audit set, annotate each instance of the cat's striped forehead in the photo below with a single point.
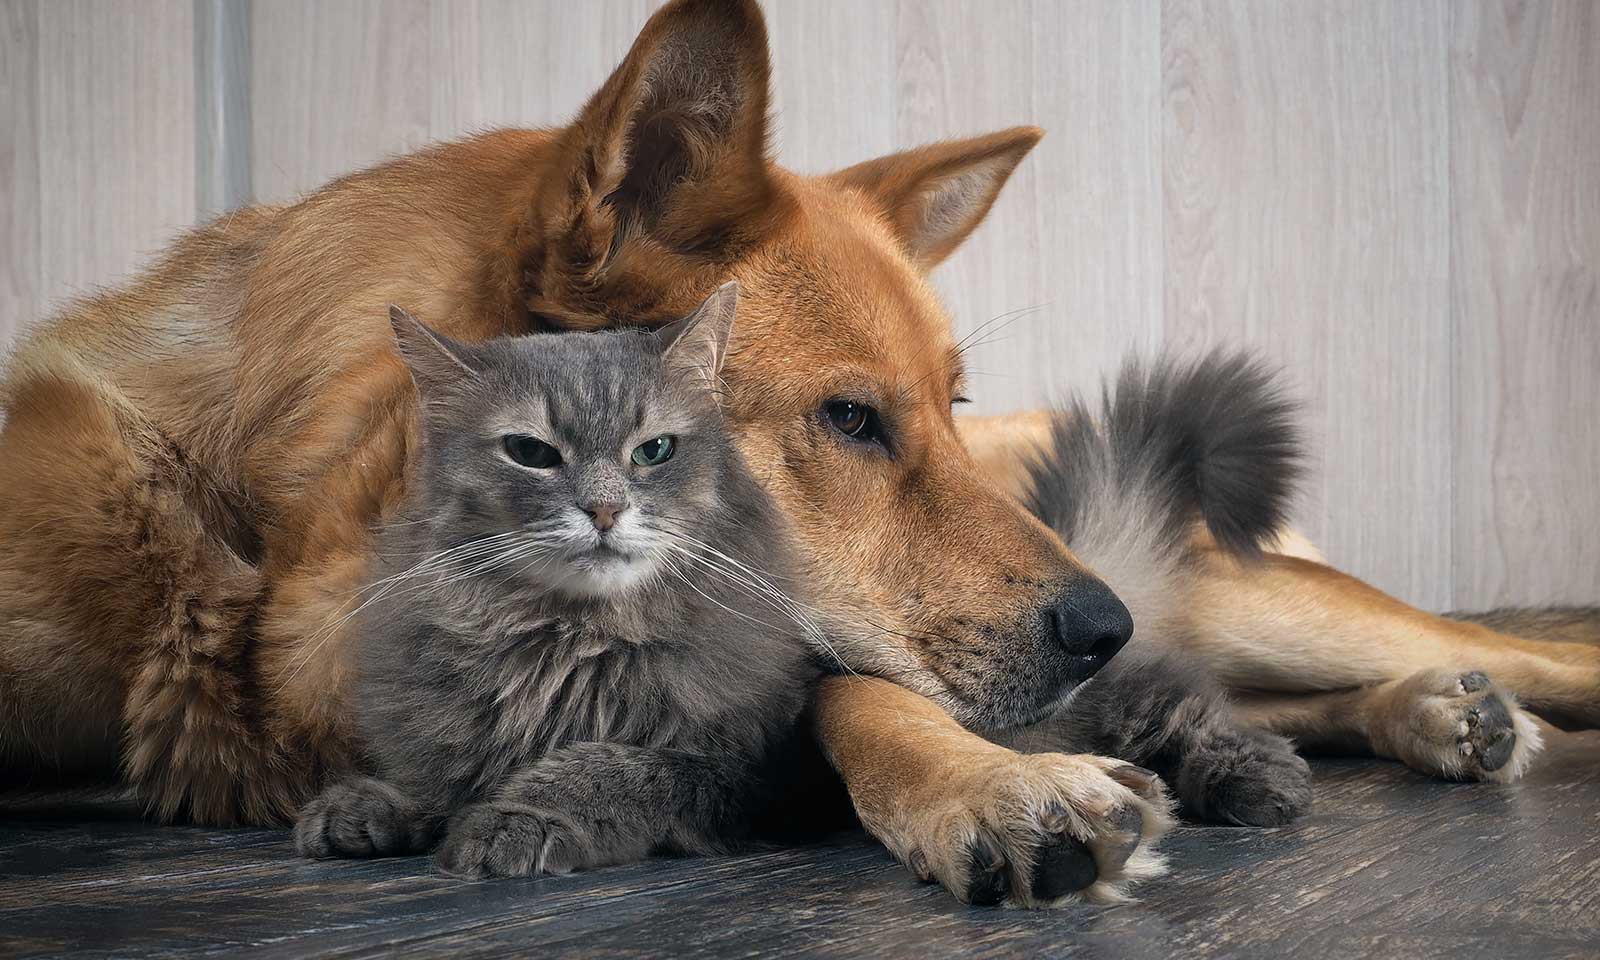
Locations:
(592, 393)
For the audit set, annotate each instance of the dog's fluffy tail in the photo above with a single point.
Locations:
(1174, 443)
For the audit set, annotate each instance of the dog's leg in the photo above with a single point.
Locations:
(123, 613)
(1441, 722)
(1156, 708)
(1290, 625)
(989, 823)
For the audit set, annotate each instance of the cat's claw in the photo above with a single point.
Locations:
(510, 840)
(361, 817)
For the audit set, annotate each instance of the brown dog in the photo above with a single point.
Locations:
(191, 466)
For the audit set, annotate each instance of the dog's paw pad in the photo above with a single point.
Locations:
(1459, 726)
(1065, 866)
(1491, 736)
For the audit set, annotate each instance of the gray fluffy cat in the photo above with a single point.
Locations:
(567, 657)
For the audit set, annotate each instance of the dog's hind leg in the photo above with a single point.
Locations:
(125, 615)
(1295, 626)
(1446, 723)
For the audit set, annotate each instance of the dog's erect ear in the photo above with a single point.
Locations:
(435, 360)
(667, 161)
(699, 342)
(935, 195)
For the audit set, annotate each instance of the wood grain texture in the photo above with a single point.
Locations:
(1485, 871)
(1525, 203)
(1306, 214)
(20, 292)
(500, 63)
(1085, 207)
(834, 93)
(116, 118)
(335, 87)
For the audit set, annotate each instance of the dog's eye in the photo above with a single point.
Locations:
(856, 421)
(531, 452)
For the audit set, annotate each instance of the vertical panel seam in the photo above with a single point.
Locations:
(222, 67)
(1453, 599)
(1160, 165)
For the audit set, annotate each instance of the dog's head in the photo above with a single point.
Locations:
(843, 371)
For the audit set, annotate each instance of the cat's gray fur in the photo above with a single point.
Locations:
(530, 705)
(1173, 445)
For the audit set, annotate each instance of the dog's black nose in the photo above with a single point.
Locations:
(1088, 621)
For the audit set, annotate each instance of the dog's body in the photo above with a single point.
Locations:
(192, 467)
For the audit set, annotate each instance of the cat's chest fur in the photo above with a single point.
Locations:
(460, 686)
(561, 681)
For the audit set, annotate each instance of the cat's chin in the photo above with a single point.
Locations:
(605, 576)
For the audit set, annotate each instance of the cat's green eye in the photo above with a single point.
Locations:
(532, 452)
(654, 452)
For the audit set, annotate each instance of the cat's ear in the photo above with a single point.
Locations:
(698, 343)
(434, 359)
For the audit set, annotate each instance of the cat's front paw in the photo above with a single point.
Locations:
(1245, 778)
(511, 840)
(360, 817)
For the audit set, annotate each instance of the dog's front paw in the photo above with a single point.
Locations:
(1034, 829)
(511, 840)
(1246, 778)
(361, 817)
(1456, 725)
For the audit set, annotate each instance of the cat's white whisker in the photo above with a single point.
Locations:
(760, 588)
(485, 552)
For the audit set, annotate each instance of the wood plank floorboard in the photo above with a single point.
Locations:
(1389, 864)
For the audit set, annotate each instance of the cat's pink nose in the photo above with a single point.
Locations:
(604, 515)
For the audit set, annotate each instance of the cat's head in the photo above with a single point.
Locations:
(572, 462)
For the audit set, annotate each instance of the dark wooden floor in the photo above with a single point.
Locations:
(1390, 864)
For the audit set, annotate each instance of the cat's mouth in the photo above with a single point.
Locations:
(605, 569)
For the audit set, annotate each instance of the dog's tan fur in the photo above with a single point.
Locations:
(191, 465)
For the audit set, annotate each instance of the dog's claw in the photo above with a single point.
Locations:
(1138, 779)
(988, 875)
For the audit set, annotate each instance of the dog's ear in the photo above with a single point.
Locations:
(435, 361)
(665, 171)
(698, 343)
(935, 195)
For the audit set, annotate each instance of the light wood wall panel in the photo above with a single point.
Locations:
(99, 168)
(335, 86)
(1085, 205)
(20, 292)
(517, 63)
(339, 85)
(1307, 215)
(1525, 199)
(1400, 202)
